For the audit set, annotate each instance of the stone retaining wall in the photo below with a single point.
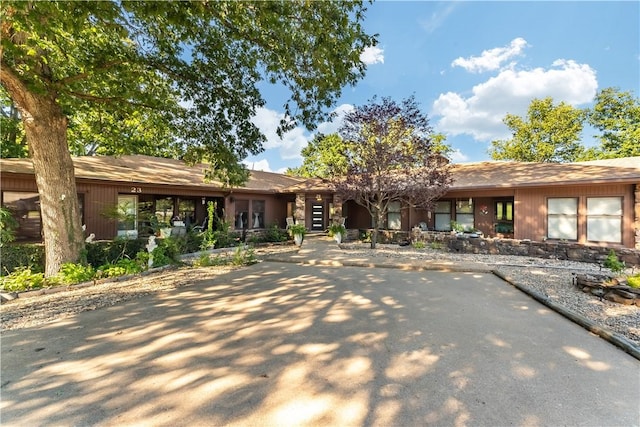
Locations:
(479, 245)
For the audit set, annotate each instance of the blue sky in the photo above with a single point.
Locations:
(471, 63)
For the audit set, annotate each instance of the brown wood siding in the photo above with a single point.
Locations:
(530, 209)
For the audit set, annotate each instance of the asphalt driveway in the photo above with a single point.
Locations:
(281, 344)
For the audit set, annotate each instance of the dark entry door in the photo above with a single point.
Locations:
(317, 216)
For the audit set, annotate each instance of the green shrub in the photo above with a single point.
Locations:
(8, 225)
(109, 252)
(243, 256)
(613, 263)
(125, 266)
(276, 234)
(418, 245)
(436, 245)
(634, 281)
(71, 274)
(22, 255)
(22, 279)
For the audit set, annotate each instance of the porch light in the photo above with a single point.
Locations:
(319, 197)
(470, 201)
(204, 200)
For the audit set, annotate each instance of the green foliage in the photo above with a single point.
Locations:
(336, 228)
(71, 274)
(455, 226)
(110, 252)
(365, 236)
(15, 256)
(22, 279)
(391, 158)
(8, 226)
(634, 281)
(323, 157)
(209, 238)
(617, 115)
(271, 234)
(418, 245)
(613, 263)
(436, 245)
(125, 266)
(243, 256)
(549, 133)
(297, 229)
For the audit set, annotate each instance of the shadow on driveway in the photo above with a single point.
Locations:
(282, 344)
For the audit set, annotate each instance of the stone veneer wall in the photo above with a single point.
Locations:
(479, 245)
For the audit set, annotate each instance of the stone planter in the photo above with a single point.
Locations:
(298, 238)
(338, 238)
(611, 289)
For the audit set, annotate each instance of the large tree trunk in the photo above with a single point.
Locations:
(46, 131)
(55, 178)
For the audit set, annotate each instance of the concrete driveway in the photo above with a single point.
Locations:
(281, 344)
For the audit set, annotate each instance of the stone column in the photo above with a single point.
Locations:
(337, 207)
(300, 207)
(636, 225)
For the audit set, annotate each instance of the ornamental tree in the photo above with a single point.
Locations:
(190, 68)
(391, 156)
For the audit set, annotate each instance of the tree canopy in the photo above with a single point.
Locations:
(549, 133)
(146, 73)
(617, 115)
(323, 157)
(390, 156)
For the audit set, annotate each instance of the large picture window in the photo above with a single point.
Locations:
(127, 215)
(464, 214)
(25, 209)
(394, 221)
(257, 211)
(443, 215)
(562, 218)
(604, 219)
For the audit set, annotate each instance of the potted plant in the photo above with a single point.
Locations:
(297, 231)
(337, 231)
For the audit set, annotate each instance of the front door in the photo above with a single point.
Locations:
(317, 216)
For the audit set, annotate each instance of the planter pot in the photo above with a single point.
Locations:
(338, 238)
(297, 239)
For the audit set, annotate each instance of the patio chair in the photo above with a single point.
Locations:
(290, 222)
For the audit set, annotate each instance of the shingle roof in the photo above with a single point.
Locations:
(480, 175)
(152, 170)
(522, 174)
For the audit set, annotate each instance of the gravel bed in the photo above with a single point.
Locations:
(551, 278)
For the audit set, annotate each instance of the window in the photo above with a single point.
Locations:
(187, 211)
(257, 210)
(164, 210)
(562, 218)
(394, 221)
(127, 215)
(25, 209)
(504, 211)
(504, 216)
(242, 214)
(464, 214)
(604, 219)
(443, 215)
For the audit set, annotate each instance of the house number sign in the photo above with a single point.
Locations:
(136, 189)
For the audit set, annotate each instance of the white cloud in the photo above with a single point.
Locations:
(458, 157)
(438, 17)
(491, 59)
(372, 55)
(327, 128)
(291, 142)
(510, 92)
(259, 165)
